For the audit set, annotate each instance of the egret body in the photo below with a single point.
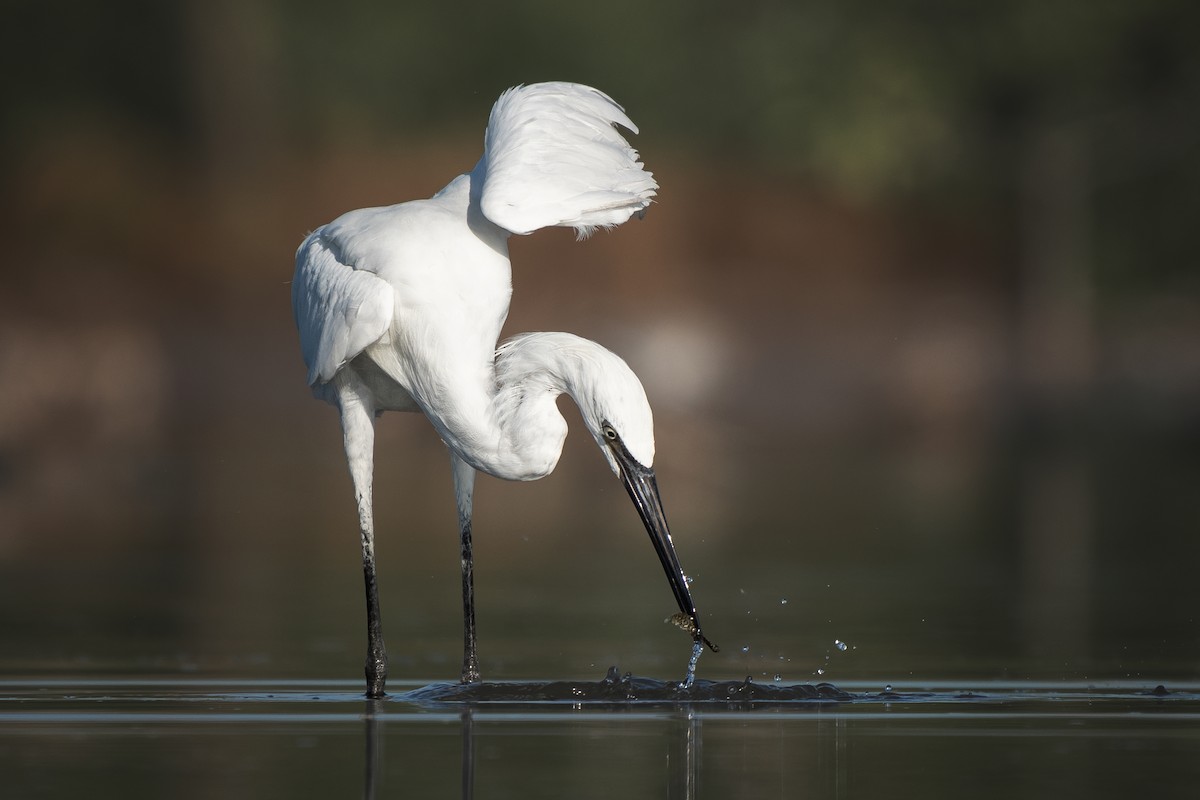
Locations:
(399, 308)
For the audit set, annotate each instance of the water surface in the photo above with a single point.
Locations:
(129, 738)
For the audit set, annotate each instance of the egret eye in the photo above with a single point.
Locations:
(610, 433)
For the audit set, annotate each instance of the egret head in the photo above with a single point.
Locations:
(614, 408)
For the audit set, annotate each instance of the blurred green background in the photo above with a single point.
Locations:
(918, 309)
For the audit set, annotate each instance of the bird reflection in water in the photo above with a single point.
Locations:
(682, 757)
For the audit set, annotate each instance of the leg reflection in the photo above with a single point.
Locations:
(468, 753)
(374, 744)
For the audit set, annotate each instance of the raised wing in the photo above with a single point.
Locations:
(339, 310)
(553, 157)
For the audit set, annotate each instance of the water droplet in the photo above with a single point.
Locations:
(746, 648)
(783, 601)
(688, 579)
(778, 677)
(820, 670)
(839, 644)
(887, 688)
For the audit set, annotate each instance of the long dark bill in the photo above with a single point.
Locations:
(639, 481)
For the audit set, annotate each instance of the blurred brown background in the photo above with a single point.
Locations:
(918, 309)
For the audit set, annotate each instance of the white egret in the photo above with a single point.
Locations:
(399, 309)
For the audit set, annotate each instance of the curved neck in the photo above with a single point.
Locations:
(517, 431)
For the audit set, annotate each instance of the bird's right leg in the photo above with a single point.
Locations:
(358, 431)
(464, 490)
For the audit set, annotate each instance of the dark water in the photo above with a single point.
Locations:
(134, 738)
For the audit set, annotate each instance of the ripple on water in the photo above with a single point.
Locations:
(626, 688)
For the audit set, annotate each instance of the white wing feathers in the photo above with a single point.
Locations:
(554, 157)
(339, 310)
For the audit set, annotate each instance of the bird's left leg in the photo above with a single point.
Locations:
(464, 491)
(358, 432)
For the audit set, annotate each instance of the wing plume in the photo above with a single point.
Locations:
(553, 156)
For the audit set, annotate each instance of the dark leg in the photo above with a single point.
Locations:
(358, 429)
(376, 667)
(464, 489)
(470, 670)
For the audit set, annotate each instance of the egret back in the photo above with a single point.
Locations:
(420, 268)
(339, 310)
(553, 156)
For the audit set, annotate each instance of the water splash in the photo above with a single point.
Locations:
(618, 688)
(839, 644)
(690, 678)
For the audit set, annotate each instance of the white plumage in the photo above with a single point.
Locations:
(399, 309)
(554, 157)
